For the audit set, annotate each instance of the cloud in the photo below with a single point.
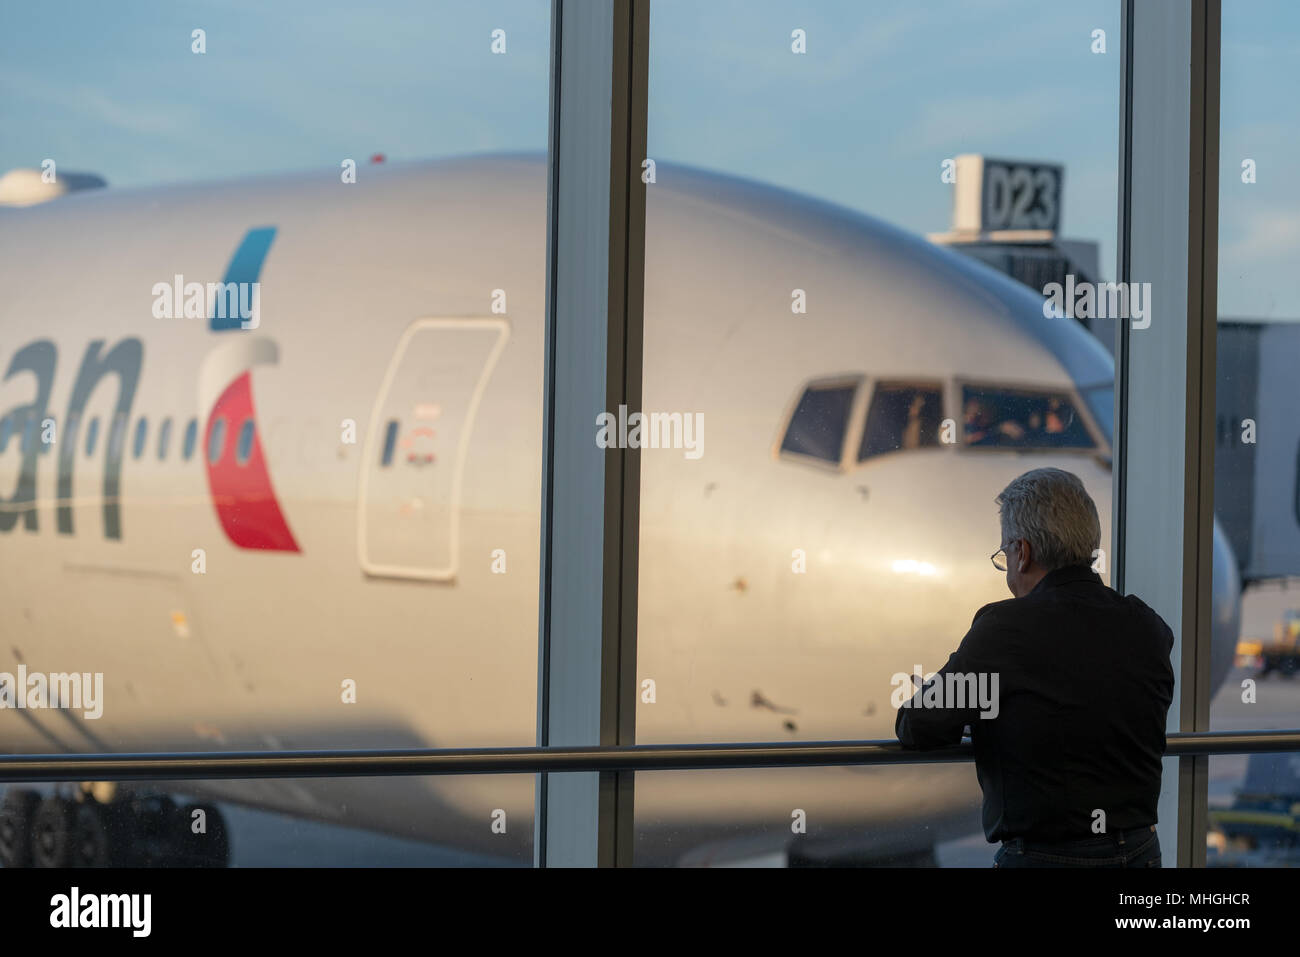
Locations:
(1267, 235)
(966, 122)
(98, 107)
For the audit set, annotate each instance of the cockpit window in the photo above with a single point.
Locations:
(901, 417)
(996, 417)
(820, 421)
(1101, 402)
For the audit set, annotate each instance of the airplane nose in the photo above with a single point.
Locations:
(1225, 615)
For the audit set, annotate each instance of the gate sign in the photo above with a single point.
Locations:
(995, 194)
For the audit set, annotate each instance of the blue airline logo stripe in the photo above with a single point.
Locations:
(245, 266)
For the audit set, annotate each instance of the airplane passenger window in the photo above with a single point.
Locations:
(92, 434)
(116, 436)
(995, 417)
(70, 430)
(245, 447)
(13, 425)
(29, 431)
(818, 425)
(19, 426)
(902, 417)
(164, 437)
(1101, 402)
(141, 433)
(217, 441)
(191, 435)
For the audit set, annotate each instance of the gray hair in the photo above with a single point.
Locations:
(1052, 510)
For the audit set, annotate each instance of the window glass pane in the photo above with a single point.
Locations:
(245, 447)
(902, 417)
(1004, 418)
(217, 441)
(1257, 431)
(72, 429)
(259, 183)
(1101, 403)
(483, 821)
(29, 431)
(882, 193)
(164, 438)
(92, 433)
(879, 815)
(141, 437)
(819, 422)
(1254, 810)
(390, 442)
(117, 435)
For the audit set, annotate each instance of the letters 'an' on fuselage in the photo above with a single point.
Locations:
(28, 423)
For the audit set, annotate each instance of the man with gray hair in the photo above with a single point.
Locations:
(1069, 756)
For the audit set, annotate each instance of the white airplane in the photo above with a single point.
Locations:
(202, 529)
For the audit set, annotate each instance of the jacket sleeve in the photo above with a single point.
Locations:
(940, 727)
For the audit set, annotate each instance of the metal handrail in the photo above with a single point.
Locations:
(177, 766)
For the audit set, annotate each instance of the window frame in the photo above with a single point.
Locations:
(1167, 232)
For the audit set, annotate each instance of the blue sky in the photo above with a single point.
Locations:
(1259, 224)
(886, 91)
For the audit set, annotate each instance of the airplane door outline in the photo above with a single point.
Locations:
(371, 445)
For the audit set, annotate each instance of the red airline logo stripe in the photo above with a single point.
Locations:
(242, 493)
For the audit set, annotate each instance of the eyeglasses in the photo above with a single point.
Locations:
(999, 558)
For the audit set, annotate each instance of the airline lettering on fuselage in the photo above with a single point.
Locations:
(241, 490)
(41, 358)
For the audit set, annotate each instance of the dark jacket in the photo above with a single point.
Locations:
(1084, 685)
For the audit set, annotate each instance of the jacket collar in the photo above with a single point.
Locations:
(1063, 576)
